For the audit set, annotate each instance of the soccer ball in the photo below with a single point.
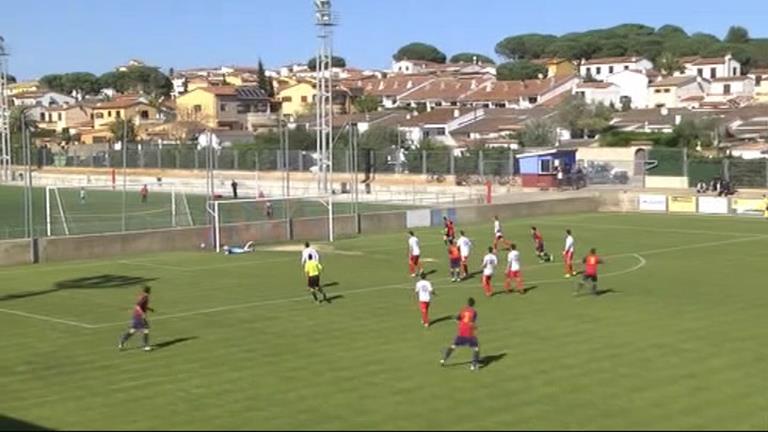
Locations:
(202, 245)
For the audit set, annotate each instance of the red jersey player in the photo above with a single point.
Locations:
(454, 256)
(466, 334)
(449, 231)
(139, 321)
(591, 262)
(538, 242)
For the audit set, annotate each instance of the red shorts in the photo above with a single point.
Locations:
(414, 259)
(568, 256)
(513, 274)
(499, 236)
(424, 306)
(487, 278)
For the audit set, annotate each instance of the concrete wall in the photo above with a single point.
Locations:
(382, 222)
(524, 209)
(618, 201)
(259, 232)
(666, 182)
(15, 252)
(316, 228)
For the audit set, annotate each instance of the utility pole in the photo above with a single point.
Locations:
(324, 90)
(5, 117)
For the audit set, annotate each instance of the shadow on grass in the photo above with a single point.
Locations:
(528, 289)
(601, 292)
(330, 284)
(441, 319)
(472, 275)
(90, 282)
(12, 424)
(172, 342)
(335, 297)
(485, 361)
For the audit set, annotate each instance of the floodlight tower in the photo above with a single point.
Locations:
(5, 117)
(324, 91)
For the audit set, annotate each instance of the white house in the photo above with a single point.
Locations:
(606, 93)
(676, 92)
(728, 88)
(437, 124)
(633, 87)
(601, 68)
(406, 66)
(710, 67)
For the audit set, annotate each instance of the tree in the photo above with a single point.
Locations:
(14, 120)
(81, 82)
(419, 51)
(10, 79)
(338, 62)
(264, 82)
(143, 79)
(519, 70)
(583, 119)
(669, 31)
(668, 64)
(538, 133)
(468, 57)
(366, 104)
(737, 35)
(118, 130)
(526, 46)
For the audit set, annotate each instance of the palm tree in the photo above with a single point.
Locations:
(668, 64)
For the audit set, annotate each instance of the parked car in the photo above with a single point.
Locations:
(606, 174)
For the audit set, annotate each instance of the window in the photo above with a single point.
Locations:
(287, 99)
(726, 89)
(304, 99)
(59, 117)
(626, 67)
(610, 69)
(144, 114)
(713, 73)
(118, 114)
(42, 117)
(598, 69)
(197, 109)
(735, 71)
(545, 166)
(700, 72)
(581, 94)
(223, 107)
(109, 114)
(533, 99)
(666, 90)
(99, 115)
(657, 90)
(758, 80)
(589, 71)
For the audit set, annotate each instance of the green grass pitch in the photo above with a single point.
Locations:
(679, 343)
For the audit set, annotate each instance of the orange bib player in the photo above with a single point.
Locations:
(591, 263)
(568, 251)
(454, 256)
(466, 335)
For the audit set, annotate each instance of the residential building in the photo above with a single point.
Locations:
(389, 90)
(407, 67)
(228, 107)
(436, 124)
(601, 68)
(557, 66)
(70, 117)
(24, 87)
(498, 125)
(518, 94)
(364, 121)
(41, 99)
(605, 93)
(760, 77)
(296, 99)
(131, 63)
(633, 87)
(735, 91)
(675, 92)
(131, 107)
(710, 67)
(440, 92)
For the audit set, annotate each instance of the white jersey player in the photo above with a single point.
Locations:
(489, 265)
(498, 235)
(465, 248)
(568, 252)
(424, 292)
(414, 252)
(514, 270)
(308, 252)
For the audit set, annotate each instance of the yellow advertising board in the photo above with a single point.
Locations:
(748, 206)
(681, 204)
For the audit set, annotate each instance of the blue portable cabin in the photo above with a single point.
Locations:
(539, 169)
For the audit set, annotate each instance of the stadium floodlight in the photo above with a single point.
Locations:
(5, 116)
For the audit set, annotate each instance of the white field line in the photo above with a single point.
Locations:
(46, 318)
(642, 228)
(642, 262)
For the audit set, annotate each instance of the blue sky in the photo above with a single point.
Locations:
(48, 36)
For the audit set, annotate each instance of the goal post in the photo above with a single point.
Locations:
(73, 210)
(254, 210)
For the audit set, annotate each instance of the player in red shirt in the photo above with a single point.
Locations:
(139, 321)
(449, 231)
(454, 257)
(538, 242)
(144, 192)
(466, 334)
(591, 262)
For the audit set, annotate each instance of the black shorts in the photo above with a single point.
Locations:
(313, 281)
(592, 278)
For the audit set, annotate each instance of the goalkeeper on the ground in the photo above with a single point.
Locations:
(235, 250)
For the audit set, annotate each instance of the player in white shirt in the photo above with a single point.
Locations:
(498, 235)
(414, 252)
(513, 270)
(308, 251)
(489, 264)
(465, 247)
(568, 251)
(424, 293)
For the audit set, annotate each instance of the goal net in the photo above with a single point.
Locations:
(99, 209)
(228, 215)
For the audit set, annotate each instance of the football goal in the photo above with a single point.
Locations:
(228, 213)
(101, 209)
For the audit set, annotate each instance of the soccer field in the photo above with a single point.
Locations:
(678, 340)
